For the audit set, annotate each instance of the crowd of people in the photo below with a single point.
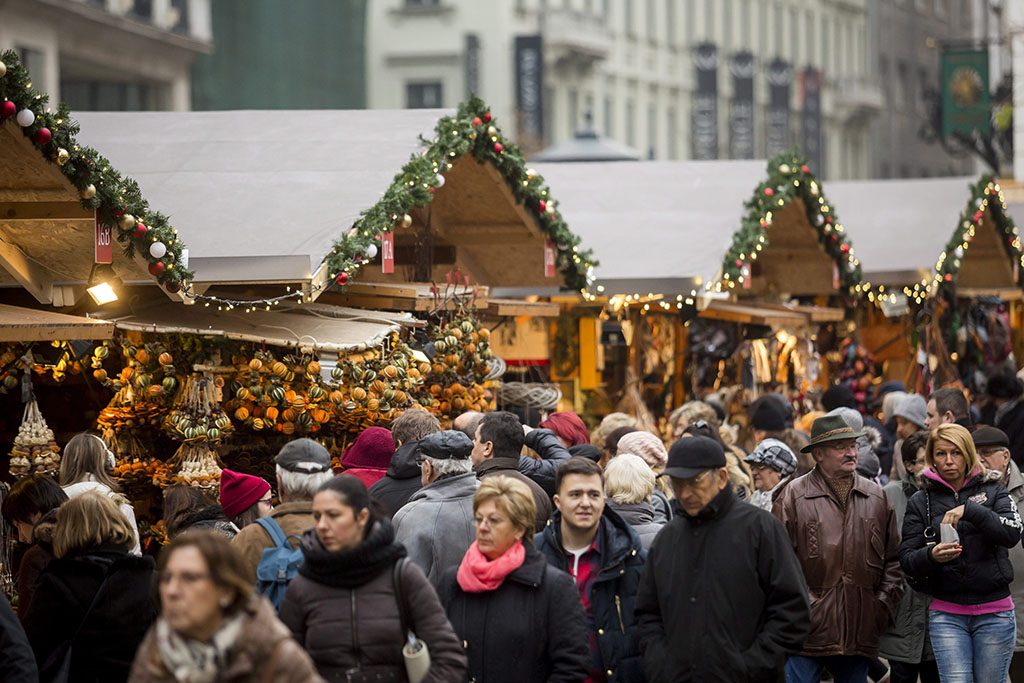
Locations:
(882, 545)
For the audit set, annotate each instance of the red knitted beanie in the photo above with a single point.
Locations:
(239, 492)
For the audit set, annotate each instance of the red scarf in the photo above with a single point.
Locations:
(477, 574)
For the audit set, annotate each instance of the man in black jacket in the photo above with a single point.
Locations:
(606, 559)
(722, 599)
(403, 478)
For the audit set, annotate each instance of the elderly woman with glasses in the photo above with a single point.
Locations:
(956, 538)
(213, 626)
(771, 464)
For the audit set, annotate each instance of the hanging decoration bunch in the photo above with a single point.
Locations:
(116, 199)
(285, 395)
(789, 179)
(198, 422)
(471, 131)
(35, 450)
(460, 352)
(375, 386)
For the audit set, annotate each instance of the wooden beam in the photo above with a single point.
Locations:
(39, 211)
(510, 308)
(318, 282)
(27, 272)
(180, 297)
(529, 221)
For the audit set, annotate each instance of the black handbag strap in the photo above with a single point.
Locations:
(929, 530)
(403, 613)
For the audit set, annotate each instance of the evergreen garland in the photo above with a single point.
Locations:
(789, 178)
(117, 200)
(470, 131)
(986, 203)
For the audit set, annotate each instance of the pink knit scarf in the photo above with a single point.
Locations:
(477, 574)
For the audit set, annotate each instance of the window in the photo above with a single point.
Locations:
(142, 9)
(652, 21)
(709, 19)
(574, 111)
(942, 8)
(922, 87)
(631, 123)
(903, 82)
(812, 57)
(883, 76)
(422, 3)
(652, 131)
(35, 61)
(179, 16)
(84, 95)
(673, 134)
(426, 95)
(609, 117)
(886, 170)
(796, 45)
(627, 7)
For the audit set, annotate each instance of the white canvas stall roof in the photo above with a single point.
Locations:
(655, 226)
(899, 227)
(326, 328)
(259, 196)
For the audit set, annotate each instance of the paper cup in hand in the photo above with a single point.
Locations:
(417, 660)
(948, 534)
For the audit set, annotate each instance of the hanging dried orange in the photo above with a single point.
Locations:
(166, 358)
(255, 364)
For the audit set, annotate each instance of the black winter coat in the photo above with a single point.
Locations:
(530, 628)
(552, 453)
(17, 663)
(396, 487)
(111, 633)
(612, 594)
(723, 598)
(990, 525)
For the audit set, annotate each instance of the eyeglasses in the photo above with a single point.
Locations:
(693, 482)
(187, 578)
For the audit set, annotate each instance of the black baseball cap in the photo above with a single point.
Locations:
(691, 455)
(985, 436)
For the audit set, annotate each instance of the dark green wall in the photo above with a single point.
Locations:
(275, 54)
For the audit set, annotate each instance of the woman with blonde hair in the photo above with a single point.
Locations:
(956, 535)
(629, 485)
(93, 603)
(519, 618)
(85, 467)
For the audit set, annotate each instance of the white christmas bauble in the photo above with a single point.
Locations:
(371, 251)
(25, 118)
(440, 180)
(3, 69)
(958, 252)
(157, 249)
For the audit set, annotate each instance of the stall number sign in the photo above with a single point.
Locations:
(104, 243)
(549, 258)
(387, 252)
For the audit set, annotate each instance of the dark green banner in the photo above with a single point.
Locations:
(965, 98)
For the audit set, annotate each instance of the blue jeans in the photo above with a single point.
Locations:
(969, 649)
(844, 669)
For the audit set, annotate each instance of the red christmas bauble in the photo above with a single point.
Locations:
(805, 169)
(156, 268)
(118, 213)
(342, 278)
(8, 109)
(844, 248)
(498, 147)
(42, 136)
(542, 206)
(476, 121)
(487, 117)
(978, 215)
(739, 263)
(764, 224)
(949, 277)
(768, 192)
(828, 220)
(141, 229)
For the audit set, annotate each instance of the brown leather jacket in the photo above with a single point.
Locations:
(850, 562)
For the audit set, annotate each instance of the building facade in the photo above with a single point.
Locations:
(911, 34)
(109, 54)
(772, 72)
(270, 54)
